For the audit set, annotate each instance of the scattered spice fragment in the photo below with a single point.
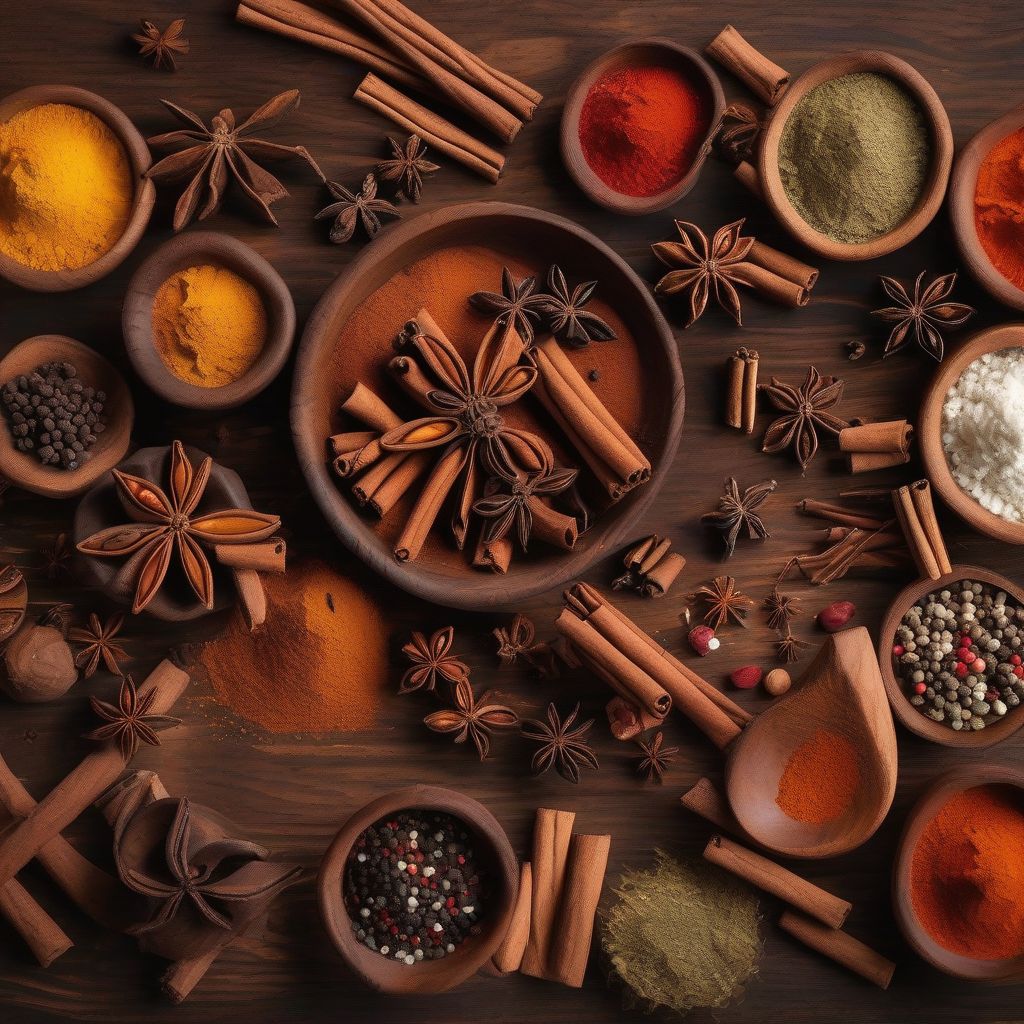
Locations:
(789, 648)
(806, 413)
(98, 638)
(855, 350)
(703, 640)
(651, 567)
(564, 314)
(519, 640)
(835, 616)
(432, 661)
(655, 758)
(737, 512)
(470, 720)
(129, 721)
(161, 46)
(923, 315)
(747, 677)
(407, 167)
(737, 132)
(353, 209)
(562, 744)
(724, 602)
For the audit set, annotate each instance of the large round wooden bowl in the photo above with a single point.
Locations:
(905, 712)
(315, 395)
(933, 191)
(929, 432)
(23, 469)
(962, 188)
(142, 202)
(387, 975)
(995, 972)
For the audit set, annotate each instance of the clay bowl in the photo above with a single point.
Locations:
(22, 468)
(315, 395)
(142, 203)
(929, 432)
(638, 53)
(962, 187)
(101, 507)
(933, 192)
(189, 250)
(919, 724)
(382, 974)
(998, 972)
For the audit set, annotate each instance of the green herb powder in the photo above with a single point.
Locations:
(853, 156)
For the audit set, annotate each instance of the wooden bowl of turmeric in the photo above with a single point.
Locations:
(208, 323)
(74, 198)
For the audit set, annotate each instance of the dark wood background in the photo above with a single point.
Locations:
(292, 793)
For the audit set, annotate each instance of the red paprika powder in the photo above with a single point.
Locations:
(999, 207)
(820, 779)
(641, 128)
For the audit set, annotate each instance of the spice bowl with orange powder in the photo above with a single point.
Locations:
(208, 323)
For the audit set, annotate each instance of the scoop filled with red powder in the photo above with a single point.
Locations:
(820, 779)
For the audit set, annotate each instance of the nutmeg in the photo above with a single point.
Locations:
(39, 665)
(777, 682)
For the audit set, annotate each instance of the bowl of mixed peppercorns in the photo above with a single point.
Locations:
(417, 890)
(951, 652)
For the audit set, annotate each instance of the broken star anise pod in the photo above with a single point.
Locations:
(737, 132)
(57, 557)
(160, 46)
(407, 167)
(789, 647)
(519, 304)
(923, 315)
(432, 660)
(655, 758)
(781, 609)
(215, 155)
(562, 744)
(564, 313)
(356, 208)
(129, 721)
(98, 638)
(165, 526)
(737, 512)
(470, 720)
(723, 602)
(805, 414)
(519, 640)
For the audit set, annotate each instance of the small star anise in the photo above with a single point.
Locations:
(921, 315)
(806, 413)
(355, 208)
(561, 745)
(655, 759)
(738, 131)
(738, 512)
(508, 504)
(519, 641)
(98, 638)
(565, 316)
(57, 557)
(432, 660)
(789, 647)
(129, 721)
(723, 602)
(469, 720)
(519, 304)
(161, 45)
(407, 167)
(781, 608)
(703, 267)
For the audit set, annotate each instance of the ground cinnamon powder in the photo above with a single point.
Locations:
(820, 779)
(318, 664)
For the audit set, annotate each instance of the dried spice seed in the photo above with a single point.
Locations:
(921, 315)
(562, 744)
(353, 209)
(738, 512)
(407, 167)
(432, 660)
(470, 720)
(805, 414)
(161, 46)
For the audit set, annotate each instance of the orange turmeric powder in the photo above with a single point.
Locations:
(820, 779)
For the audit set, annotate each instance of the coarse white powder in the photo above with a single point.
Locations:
(983, 432)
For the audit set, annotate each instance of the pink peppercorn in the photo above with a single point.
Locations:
(898, 650)
(919, 687)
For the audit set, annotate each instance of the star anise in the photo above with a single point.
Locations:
(166, 524)
(432, 660)
(519, 304)
(562, 745)
(782, 609)
(724, 602)
(214, 155)
(655, 758)
(57, 557)
(922, 315)
(704, 267)
(355, 208)
(98, 638)
(806, 414)
(161, 45)
(129, 721)
(519, 641)
(565, 316)
(407, 167)
(789, 647)
(738, 512)
(469, 720)
(737, 132)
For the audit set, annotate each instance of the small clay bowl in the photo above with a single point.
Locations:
(23, 469)
(388, 976)
(142, 203)
(929, 432)
(190, 250)
(962, 187)
(944, 788)
(638, 53)
(904, 711)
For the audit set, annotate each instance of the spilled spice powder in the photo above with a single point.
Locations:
(318, 664)
(999, 206)
(820, 779)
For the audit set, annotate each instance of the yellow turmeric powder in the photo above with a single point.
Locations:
(66, 187)
(209, 325)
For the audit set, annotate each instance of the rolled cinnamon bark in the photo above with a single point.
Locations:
(770, 285)
(510, 953)
(916, 514)
(384, 484)
(551, 526)
(888, 437)
(266, 556)
(367, 407)
(354, 451)
(428, 505)
(878, 541)
(870, 462)
(495, 555)
(741, 392)
(838, 515)
(663, 575)
(552, 832)
(626, 719)
(783, 265)
(252, 597)
(762, 76)
(746, 174)
(837, 945)
(41, 933)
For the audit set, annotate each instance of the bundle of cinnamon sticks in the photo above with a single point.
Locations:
(871, 446)
(916, 513)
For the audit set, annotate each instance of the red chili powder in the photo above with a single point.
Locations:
(820, 779)
(641, 128)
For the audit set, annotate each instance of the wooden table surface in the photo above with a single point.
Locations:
(292, 793)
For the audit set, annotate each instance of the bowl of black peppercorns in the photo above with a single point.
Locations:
(417, 890)
(66, 416)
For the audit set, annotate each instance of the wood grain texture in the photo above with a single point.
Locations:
(293, 793)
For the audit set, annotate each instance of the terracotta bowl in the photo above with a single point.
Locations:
(638, 53)
(961, 207)
(101, 507)
(189, 250)
(929, 432)
(24, 469)
(382, 974)
(905, 712)
(142, 203)
(315, 397)
(934, 189)
(997, 972)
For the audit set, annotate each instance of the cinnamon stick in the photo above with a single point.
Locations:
(705, 799)
(252, 597)
(510, 953)
(770, 285)
(879, 540)
(367, 407)
(779, 881)
(552, 832)
(495, 555)
(762, 76)
(266, 556)
(43, 936)
(384, 484)
(870, 462)
(886, 438)
(659, 578)
(354, 450)
(916, 513)
(626, 719)
(838, 515)
(746, 174)
(428, 505)
(779, 263)
(551, 526)
(741, 393)
(837, 945)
